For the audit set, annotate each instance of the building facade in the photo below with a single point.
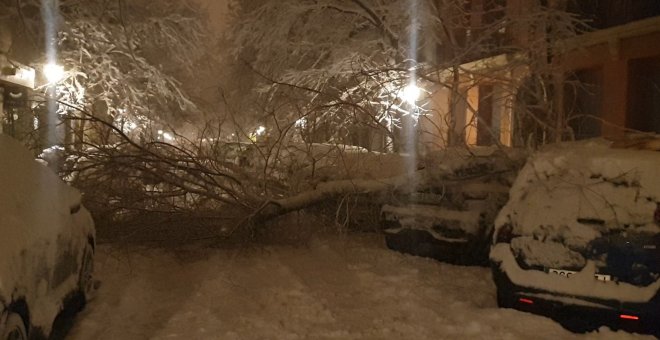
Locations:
(601, 82)
(16, 80)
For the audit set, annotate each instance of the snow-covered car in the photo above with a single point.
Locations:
(46, 245)
(579, 239)
(448, 215)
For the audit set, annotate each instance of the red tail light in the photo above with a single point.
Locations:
(527, 301)
(629, 317)
(504, 234)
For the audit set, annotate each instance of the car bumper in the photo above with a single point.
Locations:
(578, 313)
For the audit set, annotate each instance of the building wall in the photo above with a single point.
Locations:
(434, 124)
(472, 125)
(616, 52)
(619, 70)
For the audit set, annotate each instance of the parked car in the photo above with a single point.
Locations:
(46, 245)
(448, 215)
(579, 239)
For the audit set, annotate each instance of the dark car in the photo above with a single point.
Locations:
(579, 239)
(448, 215)
(46, 246)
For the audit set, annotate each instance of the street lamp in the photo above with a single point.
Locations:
(410, 94)
(53, 72)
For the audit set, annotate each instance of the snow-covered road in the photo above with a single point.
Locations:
(348, 287)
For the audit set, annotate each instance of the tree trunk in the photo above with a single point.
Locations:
(325, 191)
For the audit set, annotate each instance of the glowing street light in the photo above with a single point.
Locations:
(53, 72)
(410, 94)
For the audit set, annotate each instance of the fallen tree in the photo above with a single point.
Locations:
(189, 183)
(326, 191)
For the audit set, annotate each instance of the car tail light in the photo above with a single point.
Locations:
(504, 234)
(527, 301)
(629, 317)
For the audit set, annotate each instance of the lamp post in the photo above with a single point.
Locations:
(410, 95)
(53, 74)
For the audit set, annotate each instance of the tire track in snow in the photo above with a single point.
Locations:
(348, 287)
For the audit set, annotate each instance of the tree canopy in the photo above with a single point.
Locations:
(345, 63)
(133, 62)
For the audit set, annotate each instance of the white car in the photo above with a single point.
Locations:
(46, 245)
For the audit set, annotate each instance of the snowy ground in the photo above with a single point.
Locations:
(348, 287)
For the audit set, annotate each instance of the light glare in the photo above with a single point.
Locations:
(411, 93)
(53, 72)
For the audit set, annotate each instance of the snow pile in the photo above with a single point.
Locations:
(474, 161)
(334, 288)
(552, 254)
(576, 192)
(338, 161)
(36, 226)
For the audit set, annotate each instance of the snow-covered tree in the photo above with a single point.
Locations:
(134, 63)
(338, 64)
(310, 70)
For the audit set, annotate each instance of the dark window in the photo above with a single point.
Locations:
(644, 91)
(583, 100)
(485, 116)
(607, 13)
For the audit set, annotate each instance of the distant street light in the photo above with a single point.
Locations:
(410, 94)
(53, 72)
(260, 130)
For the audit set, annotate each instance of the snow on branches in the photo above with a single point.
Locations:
(343, 63)
(126, 60)
(340, 57)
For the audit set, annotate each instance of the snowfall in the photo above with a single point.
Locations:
(346, 286)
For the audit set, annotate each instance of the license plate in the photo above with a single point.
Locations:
(568, 273)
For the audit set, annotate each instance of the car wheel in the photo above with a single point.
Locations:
(86, 279)
(13, 328)
(504, 300)
(504, 294)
